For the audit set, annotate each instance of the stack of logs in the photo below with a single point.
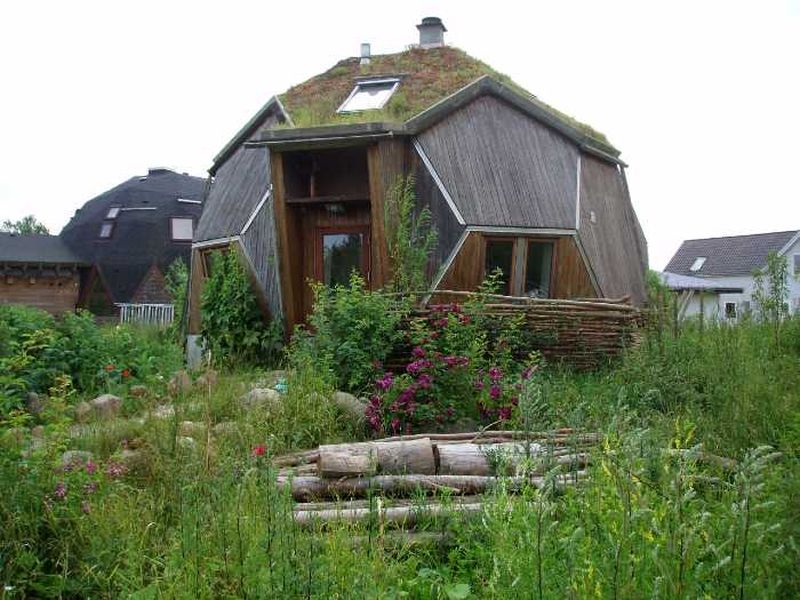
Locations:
(583, 334)
(460, 465)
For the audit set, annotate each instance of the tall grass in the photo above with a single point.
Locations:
(206, 519)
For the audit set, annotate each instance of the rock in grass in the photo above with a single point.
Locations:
(226, 429)
(164, 411)
(192, 429)
(186, 444)
(260, 398)
(207, 380)
(106, 406)
(34, 403)
(137, 391)
(179, 383)
(351, 406)
(76, 458)
(83, 410)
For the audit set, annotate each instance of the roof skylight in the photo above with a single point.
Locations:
(698, 263)
(370, 94)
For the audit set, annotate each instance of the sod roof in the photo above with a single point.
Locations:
(427, 76)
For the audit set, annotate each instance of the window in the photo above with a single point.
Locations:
(342, 253)
(698, 263)
(369, 95)
(112, 212)
(182, 229)
(538, 269)
(500, 255)
(106, 229)
(730, 310)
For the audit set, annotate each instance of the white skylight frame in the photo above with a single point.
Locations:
(178, 231)
(113, 212)
(698, 264)
(189, 201)
(366, 83)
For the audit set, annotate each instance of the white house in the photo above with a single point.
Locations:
(715, 275)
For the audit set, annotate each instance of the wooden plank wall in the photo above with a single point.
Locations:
(614, 243)
(503, 168)
(388, 160)
(448, 228)
(56, 296)
(570, 277)
(260, 245)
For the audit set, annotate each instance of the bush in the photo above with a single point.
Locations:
(233, 326)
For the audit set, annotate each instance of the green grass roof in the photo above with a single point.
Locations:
(427, 76)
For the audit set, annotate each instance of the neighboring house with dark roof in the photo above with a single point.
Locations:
(724, 268)
(131, 234)
(39, 271)
(511, 183)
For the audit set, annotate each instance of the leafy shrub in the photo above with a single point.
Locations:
(233, 326)
(354, 330)
(177, 281)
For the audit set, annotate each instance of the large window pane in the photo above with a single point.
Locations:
(341, 254)
(500, 255)
(182, 229)
(537, 272)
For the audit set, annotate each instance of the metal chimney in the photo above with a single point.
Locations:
(431, 32)
(366, 53)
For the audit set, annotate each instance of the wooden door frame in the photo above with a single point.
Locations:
(541, 240)
(366, 254)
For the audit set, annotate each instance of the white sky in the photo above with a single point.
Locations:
(702, 97)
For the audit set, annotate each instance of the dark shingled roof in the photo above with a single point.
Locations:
(140, 238)
(37, 249)
(427, 76)
(727, 256)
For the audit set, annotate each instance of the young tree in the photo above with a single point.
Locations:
(25, 226)
(771, 292)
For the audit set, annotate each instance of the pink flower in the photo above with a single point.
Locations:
(425, 381)
(61, 491)
(115, 470)
(385, 382)
(90, 467)
(505, 413)
(258, 450)
(90, 488)
(395, 424)
(418, 352)
(495, 391)
(495, 374)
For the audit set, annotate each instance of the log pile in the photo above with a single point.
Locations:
(583, 334)
(341, 482)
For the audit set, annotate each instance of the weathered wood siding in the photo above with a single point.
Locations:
(570, 278)
(503, 168)
(610, 233)
(260, 245)
(56, 296)
(448, 228)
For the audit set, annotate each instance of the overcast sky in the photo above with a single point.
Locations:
(702, 98)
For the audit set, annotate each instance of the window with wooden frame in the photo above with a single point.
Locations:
(527, 265)
(340, 251)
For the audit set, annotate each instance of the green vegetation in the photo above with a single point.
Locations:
(233, 326)
(428, 76)
(28, 225)
(164, 509)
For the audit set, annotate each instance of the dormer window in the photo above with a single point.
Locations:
(370, 94)
(697, 264)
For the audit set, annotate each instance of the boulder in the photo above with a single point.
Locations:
(186, 443)
(137, 391)
(76, 458)
(83, 411)
(163, 411)
(207, 380)
(106, 406)
(226, 429)
(133, 459)
(34, 403)
(351, 406)
(260, 398)
(192, 429)
(179, 383)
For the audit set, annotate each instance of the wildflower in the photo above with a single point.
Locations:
(85, 507)
(424, 381)
(110, 367)
(90, 467)
(61, 491)
(395, 424)
(495, 391)
(385, 382)
(115, 470)
(504, 413)
(126, 372)
(418, 365)
(418, 352)
(495, 374)
(479, 384)
(90, 488)
(259, 450)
